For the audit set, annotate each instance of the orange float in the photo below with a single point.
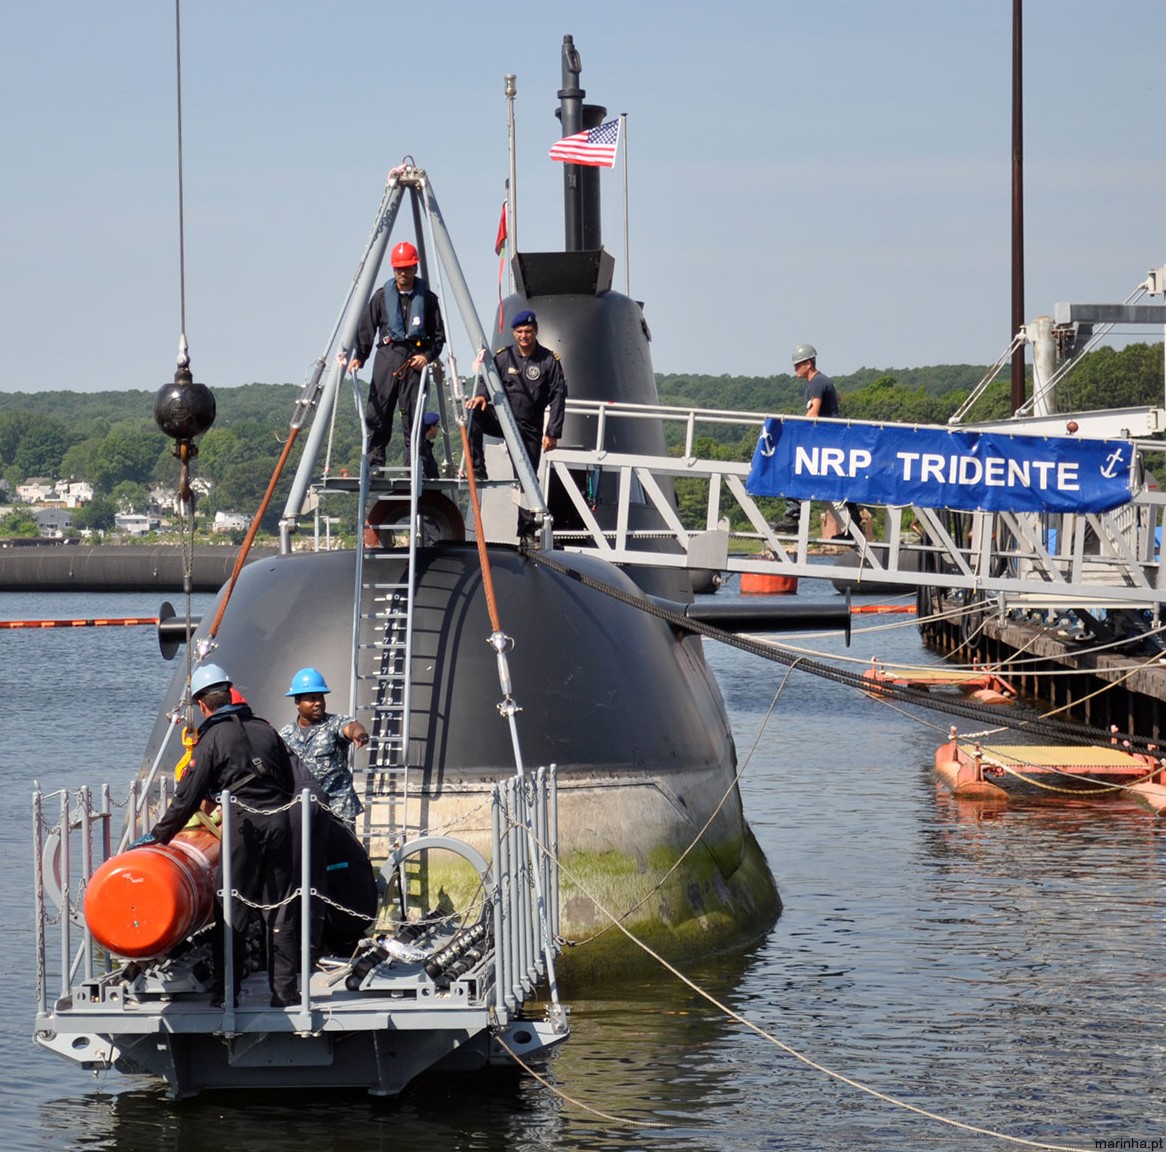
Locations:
(141, 903)
(754, 583)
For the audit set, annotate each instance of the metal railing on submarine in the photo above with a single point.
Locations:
(1026, 560)
(436, 981)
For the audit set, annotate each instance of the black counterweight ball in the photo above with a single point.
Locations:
(184, 409)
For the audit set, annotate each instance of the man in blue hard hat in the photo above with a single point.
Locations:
(536, 390)
(321, 740)
(237, 751)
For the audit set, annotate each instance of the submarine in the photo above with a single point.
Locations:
(468, 654)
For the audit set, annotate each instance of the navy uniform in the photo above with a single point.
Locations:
(263, 842)
(534, 385)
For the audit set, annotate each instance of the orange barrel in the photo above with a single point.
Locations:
(753, 583)
(139, 904)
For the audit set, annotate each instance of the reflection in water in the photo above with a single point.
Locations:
(627, 1066)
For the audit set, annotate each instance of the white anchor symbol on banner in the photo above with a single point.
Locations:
(1111, 463)
(761, 445)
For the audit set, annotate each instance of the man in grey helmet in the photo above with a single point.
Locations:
(238, 751)
(821, 397)
(821, 401)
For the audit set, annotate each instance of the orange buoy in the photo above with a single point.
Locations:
(140, 903)
(765, 584)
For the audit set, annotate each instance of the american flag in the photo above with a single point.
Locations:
(595, 147)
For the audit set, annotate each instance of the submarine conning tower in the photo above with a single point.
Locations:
(601, 336)
(581, 200)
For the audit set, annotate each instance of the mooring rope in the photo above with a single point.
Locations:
(1050, 729)
(788, 1049)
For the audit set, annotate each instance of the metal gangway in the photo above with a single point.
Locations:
(1023, 559)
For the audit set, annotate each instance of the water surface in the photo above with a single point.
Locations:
(1000, 966)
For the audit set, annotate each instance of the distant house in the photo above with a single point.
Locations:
(74, 493)
(35, 490)
(166, 499)
(53, 522)
(229, 522)
(135, 524)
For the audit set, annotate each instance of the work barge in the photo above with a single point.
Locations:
(451, 990)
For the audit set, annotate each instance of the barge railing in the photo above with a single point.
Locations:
(464, 980)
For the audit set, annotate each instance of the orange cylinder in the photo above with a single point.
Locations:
(761, 582)
(139, 904)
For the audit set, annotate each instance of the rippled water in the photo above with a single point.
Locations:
(999, 967)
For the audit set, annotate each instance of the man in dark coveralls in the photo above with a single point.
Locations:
(403, 320)
(237, 750)
(533, 380)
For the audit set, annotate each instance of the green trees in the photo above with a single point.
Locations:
(885, 399)
(20, 523)
(97, 516)
(127, 453)
(31, 444)
(1115, 379)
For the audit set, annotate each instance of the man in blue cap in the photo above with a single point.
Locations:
(534, 383)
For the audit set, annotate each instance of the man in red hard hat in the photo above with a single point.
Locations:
(403, 320)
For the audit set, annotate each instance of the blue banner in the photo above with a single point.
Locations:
(937, 468)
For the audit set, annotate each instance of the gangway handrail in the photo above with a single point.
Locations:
(1104, 558)
(1117, 422)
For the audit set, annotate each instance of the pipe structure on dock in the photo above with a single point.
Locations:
(116, 568)
(764, 616)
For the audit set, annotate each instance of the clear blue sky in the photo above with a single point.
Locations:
(836, 171)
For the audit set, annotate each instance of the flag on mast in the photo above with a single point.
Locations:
(595, 147)
(500, 242)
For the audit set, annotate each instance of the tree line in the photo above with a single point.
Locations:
(110, 440)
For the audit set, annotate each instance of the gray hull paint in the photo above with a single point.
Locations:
(604, 345)
(628, 711)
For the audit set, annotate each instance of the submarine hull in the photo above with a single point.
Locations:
(627, 710)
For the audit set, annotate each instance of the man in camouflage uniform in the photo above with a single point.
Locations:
(321, 739)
